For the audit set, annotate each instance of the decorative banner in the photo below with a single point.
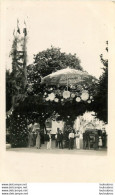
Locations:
(66, 94)
(85, 95)
(78, 99)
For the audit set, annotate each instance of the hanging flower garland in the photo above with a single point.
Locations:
(66, 94)
(85, 95)
(51, 96)
(62, 96)
(78, 99)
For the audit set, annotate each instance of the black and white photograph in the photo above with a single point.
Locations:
(56, 58)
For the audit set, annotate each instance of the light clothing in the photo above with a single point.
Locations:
(71, 135)
(100, 141)
(77, 140)
(78, 143)
(49, 142)
(30, 139)
(38, 141)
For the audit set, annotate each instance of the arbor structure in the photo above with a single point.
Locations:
(45, 62)
(37, 102)
(33, 104)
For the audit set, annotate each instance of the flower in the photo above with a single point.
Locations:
(51, 96)
(66, 94)
(78, 99)
(72, 95)
(84, 95)
(56, 100)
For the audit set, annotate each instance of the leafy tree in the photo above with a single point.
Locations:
(53, 59)
(45, 62)
(33, 107)
(101, 99)
(9, 90)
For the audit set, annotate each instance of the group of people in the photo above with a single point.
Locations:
(60, 139)
(36, 138)
(96, 139)
(72, 140)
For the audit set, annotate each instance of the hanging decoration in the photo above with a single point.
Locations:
(91, 97)
(85, 95)
(56, 100)
(47, 99)
(78, 99)
(72, 95)
(66, 94)
(51, 96)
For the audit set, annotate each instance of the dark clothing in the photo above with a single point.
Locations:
(47, 138)
(71, 143)
(59, 137)
(96, 141)
(60, 140)
(104, 138)
(84, 141)
(42, 138)
(34, 139)
(60, 144)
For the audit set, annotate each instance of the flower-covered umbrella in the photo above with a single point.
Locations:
(71, 78)
(66, 77)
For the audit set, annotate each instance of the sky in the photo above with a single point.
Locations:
(80, 27)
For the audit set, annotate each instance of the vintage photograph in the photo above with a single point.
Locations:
(53, 101)
(56, 79)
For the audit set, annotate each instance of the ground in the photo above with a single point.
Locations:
(55, 165)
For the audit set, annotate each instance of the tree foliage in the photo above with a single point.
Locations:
(32, 105)
(101, 98)
(53, 59)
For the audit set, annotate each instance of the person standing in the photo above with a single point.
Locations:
(61, 140)
(56, 143)
(38, 142)
(34, 137)
(100, 142)
(48, 140)
(71, 139)
(30, 139)
(84, 141)
(104, 138)
(96, 140)
(77, 140)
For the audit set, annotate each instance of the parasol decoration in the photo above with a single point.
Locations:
(75, 79)
(66, 77)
